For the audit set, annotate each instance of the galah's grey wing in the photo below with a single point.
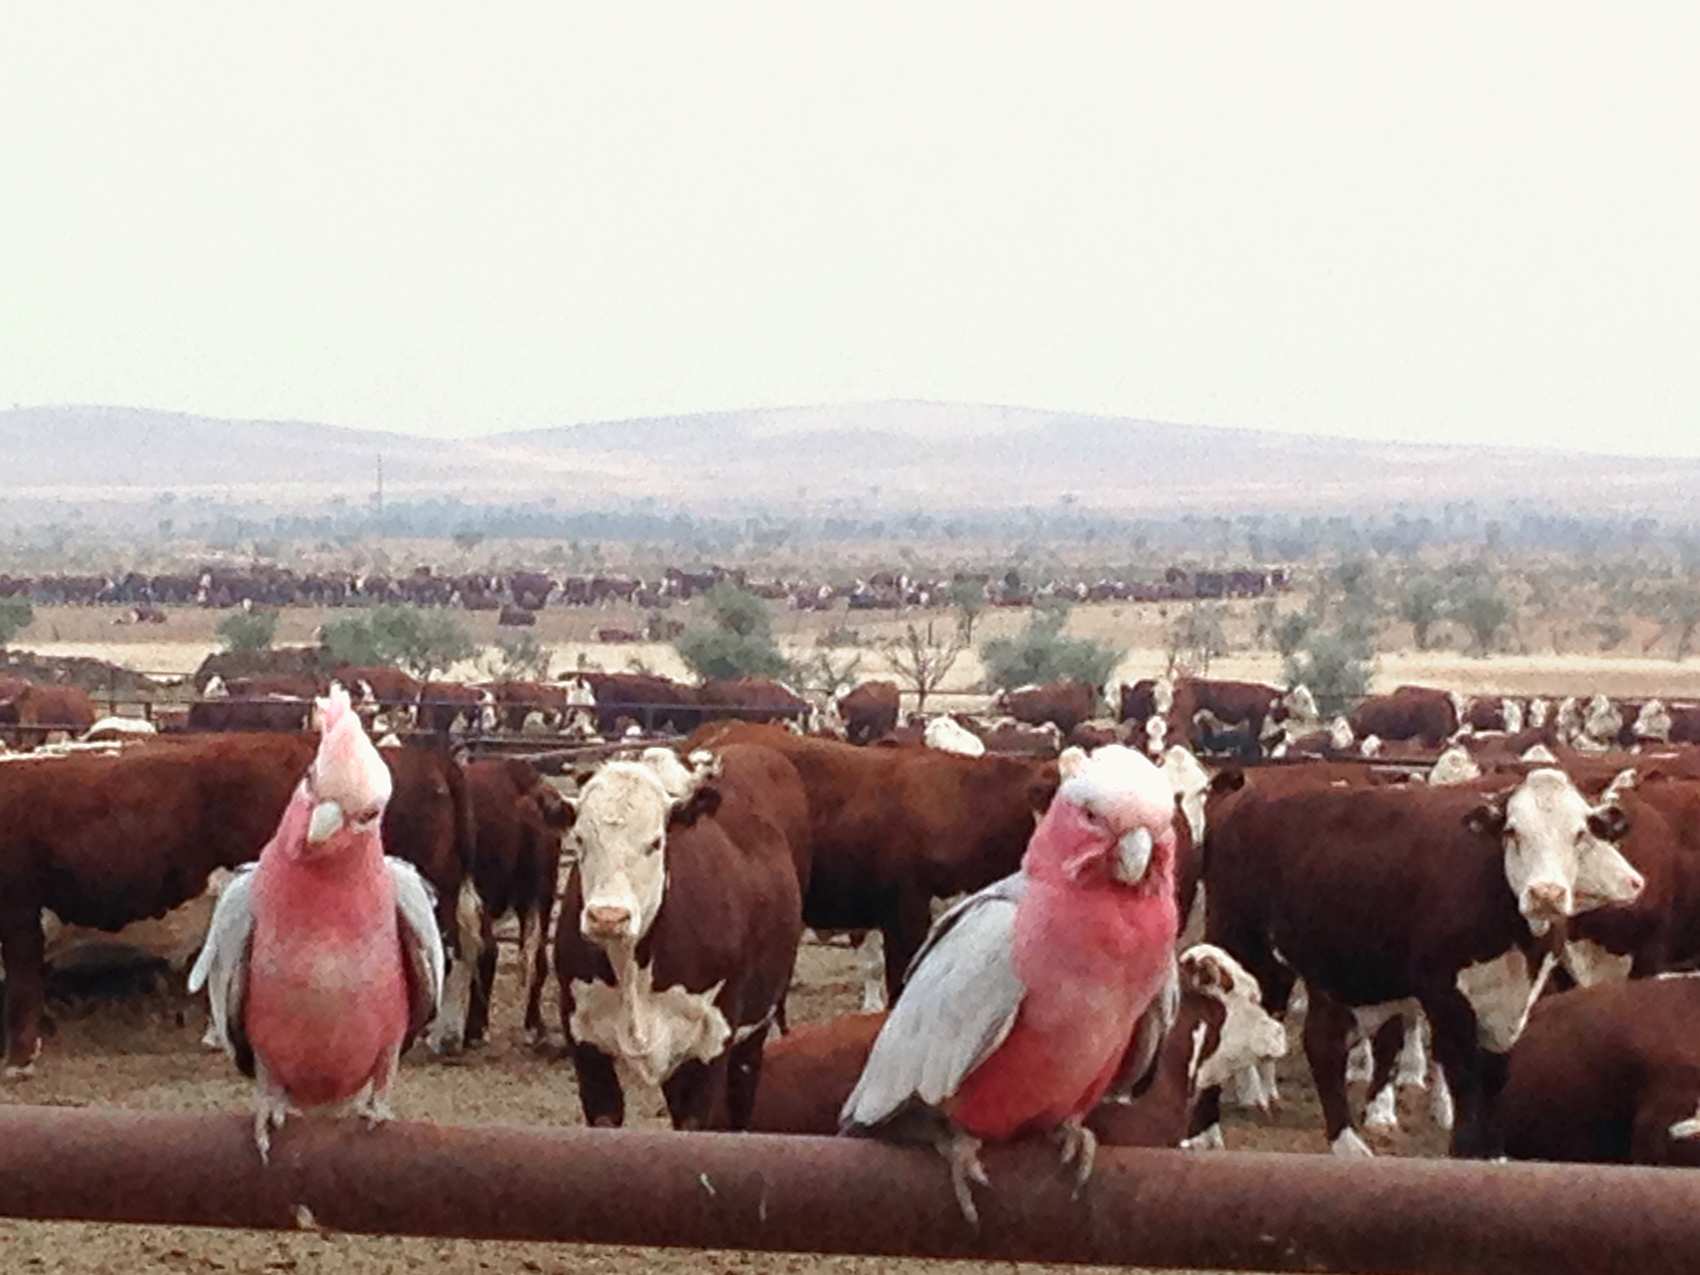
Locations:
(1139, 1064)
(958, 1005)
(421, 945)
(222, 966)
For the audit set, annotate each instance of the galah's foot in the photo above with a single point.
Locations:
(374, 1108)
(962, 1152)
(1079, 1148)
(269, 1112)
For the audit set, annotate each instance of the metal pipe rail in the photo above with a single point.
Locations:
(811, 1195)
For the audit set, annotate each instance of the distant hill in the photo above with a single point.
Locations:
(935, 456)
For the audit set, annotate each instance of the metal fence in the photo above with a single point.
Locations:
(1213, 1211)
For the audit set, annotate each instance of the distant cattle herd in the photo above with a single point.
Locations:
(514, 595)
(1482, 875)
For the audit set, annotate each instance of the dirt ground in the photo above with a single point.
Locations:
(145, 1052)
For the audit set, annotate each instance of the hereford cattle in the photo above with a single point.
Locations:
(679, 928)
(514, 702)
(42, 710)
(650, 702)
(1491, 713)
(375, 688)
(1061, 704)
(951, 736)
(106, 841)
(519, 819)
(1017, 739)
(1608, 1074)
(443, 706)
(267, 713)
(895, 828)
(1220, 1029)
(1407, 713)
(1147, 698)
(1253, 705)
(751, 699)
(869, 711)
(296, 661)
(1377, 895)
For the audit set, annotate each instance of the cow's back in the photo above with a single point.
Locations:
(1596, 1065)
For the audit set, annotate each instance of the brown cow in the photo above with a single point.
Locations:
(751, 699)
(1147, 698)
(1608, 1074)
(808, 1074)
(1408, 713)
(1379, 895)
(104, 841)
(515, 701)
(895, 828)
(1252, 706)
(679, 928)
(445, 705)
(42, 710)
(375, 688)
(266, 713)
(516, 868)
(870, 711)
(652, 703)
(1061, 704)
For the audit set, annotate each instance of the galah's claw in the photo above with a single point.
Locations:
(962, 1153)
(1079, 1148)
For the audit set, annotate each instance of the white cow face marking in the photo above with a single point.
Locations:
(1454, 766)
(620, 838)
(1559, 859)
(1248, 1036)
(1190, 781)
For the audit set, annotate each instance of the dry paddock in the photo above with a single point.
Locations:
(145, 1052)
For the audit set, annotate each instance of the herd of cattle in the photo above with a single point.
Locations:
(264, 585)
(1517, 883)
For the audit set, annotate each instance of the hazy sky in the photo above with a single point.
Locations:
(1441, 221)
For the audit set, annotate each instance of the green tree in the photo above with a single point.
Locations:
(248, 630)
(420, 641)
(969, 599)
(1197, 636)
(1042, 652)
(1422, 605)
(1335, 666)
(1483, 609)
(740, 642)
(16, 615)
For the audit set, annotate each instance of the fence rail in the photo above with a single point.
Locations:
(810, 1195)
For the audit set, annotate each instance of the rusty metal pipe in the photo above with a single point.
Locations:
(1142, 1207)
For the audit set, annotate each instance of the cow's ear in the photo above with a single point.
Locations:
(699, 805)
(1486, 821)
(1609, 823)
(1228, 779)
(558, 812)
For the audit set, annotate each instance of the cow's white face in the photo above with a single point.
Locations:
(1653, 722)
(1559, 856)
(1454, 766)
(1512, 711)
(1163, 696)
(1340, 735)
(1248, 1036)
(620, 840)
(1539, 710)
(1301, 704)
(1190, 780)
(948, 735)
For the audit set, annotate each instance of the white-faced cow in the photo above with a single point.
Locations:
(679, 928)
(1446, 896)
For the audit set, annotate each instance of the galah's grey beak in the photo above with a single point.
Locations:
(327, 818)
(1133, 856)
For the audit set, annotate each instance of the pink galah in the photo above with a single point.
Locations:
(1032, 998)
(323, 960)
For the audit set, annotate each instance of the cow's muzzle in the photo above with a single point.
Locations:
(603, 921)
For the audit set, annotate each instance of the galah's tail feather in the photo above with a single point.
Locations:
(222, 966)
(959, 1004)
(421, 945)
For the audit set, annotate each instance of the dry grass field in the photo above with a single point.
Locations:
(177, 646)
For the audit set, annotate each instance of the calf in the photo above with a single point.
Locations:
(1378, 895)
(679, 929)
(1061, 704)
(1608, 1074)
(516, 867)
(1419, 713)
